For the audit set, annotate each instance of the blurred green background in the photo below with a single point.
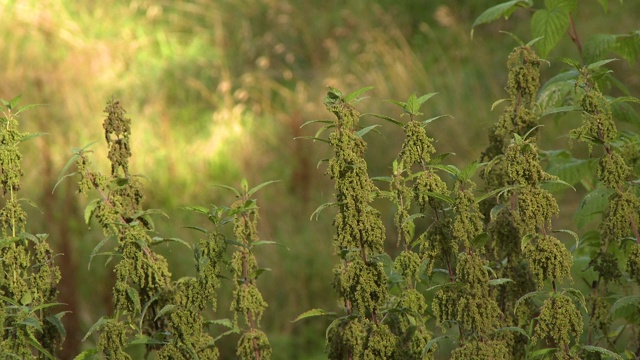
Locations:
(217, 91)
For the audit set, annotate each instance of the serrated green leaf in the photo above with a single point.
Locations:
(90, 209)
(134, 297)
(425, 122)
(95, 250)
(624, 112)
(198, 209)
(167, 309)
(433, 342)
(498, 102)
(386, 118)
(363, 131)
(159, 240)
(500, 281)
(551, 24)
(598, 64)
(628, 46)
(561, 109)
(31, 321)
(317, 121)
(542, 352)
(601, 350)
(27, 107)
(13, 102)
(401, 104)
(598, 46)
(422, 99)
(579, 296)
(480, 240)
(558, 181)
(386, 179)
(258, 187)
(29, 136)
(503, 10)
(354, 95)
(86, 354)
(320, 208)
(222, 322)
(313, 313)
(34, 342)
(591, 206)
(141, 339)
(197, 228)
(451, 169)
(95, 327)
(313, 138)
(623, 302)
(525, 297)
(56, 321)
(235, 192)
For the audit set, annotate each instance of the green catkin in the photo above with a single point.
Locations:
(614, 170)
(247, 299)
(481, 350)
(558, 322)
(409, 324)
(28, 274)
(142, 276)
(360, 235)
(549, 259)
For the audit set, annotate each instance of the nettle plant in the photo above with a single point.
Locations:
(503, 283)
(28, 279)
(167, 316)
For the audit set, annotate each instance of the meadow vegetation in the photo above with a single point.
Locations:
(467, 230)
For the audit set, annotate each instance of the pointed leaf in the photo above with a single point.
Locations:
(145, 340)
(95, 327)
(236, 192)
(431, 343)
(90, 209)
(29, 136)
(322, 207)
(313, 313)
(425, 122)
(197, 228)
(160, 240)
(86, 354)
(602, 351)
(198, 209)
(316, 121)
(498, 102)
(386, 118)
(499, 281)
(313, 138)
(167, 309)
(624, 301)
(599, 64)
(503, 10)
(258, 187)
(134, 297)
(363, 131)
(354, 95)
(223, 322)
(525, 297)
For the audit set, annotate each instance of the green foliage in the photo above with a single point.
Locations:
(28, 274)
(473, 254)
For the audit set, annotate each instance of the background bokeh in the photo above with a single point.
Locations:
(217, 91)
